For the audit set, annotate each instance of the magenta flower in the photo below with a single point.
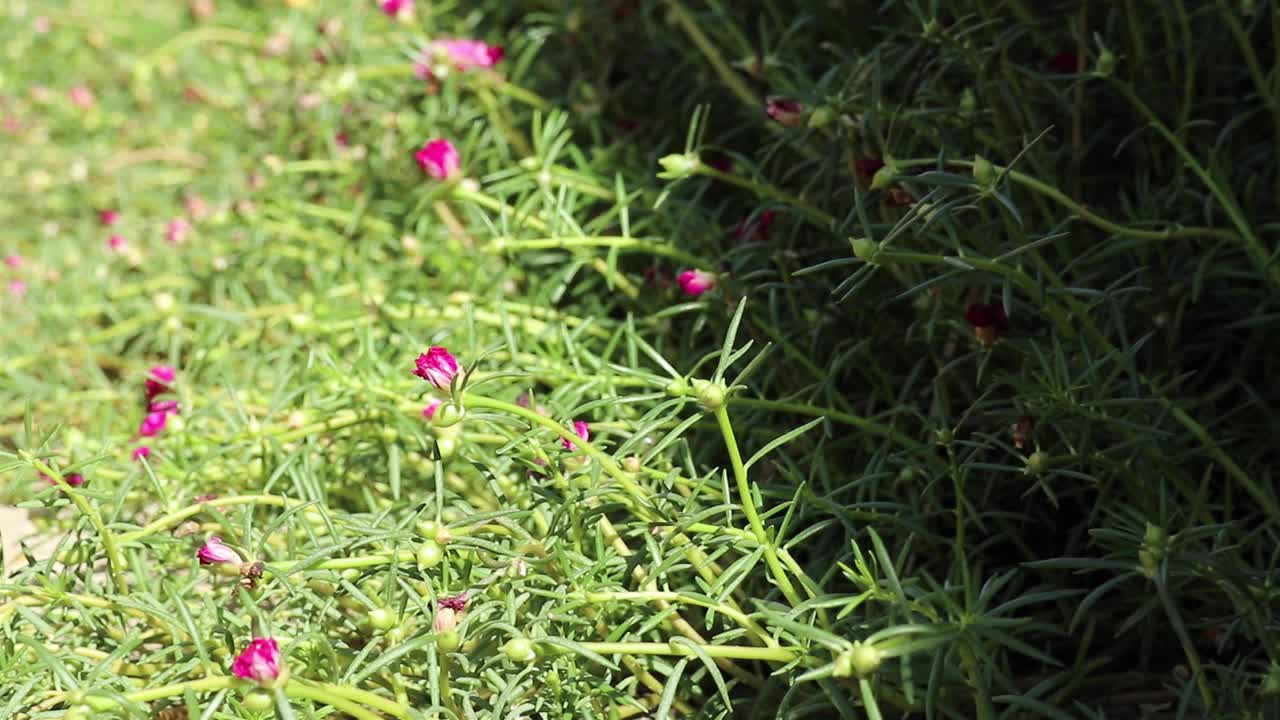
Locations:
(107, 218)
(448, 610)
(394, 8)
(582, 429)
(785, 112)
(439, 159)
(142, 452)
(429, 411)
(153, 423)
(437, 366)
(695, 282)
(463, 54)
(116, 242)
(457, 602)
(215, 552)
(159, 380)
(177, 230)
(13, 260)
(164, 406)
(260, 661)
(82, 96)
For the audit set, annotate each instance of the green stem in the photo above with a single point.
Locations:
(169, 520)
(674, 597)
(749, 507)
(625, 244)
(722, 69)
(821, 218)
(733, 652)
(115, 562)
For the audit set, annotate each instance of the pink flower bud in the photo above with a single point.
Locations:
(177, 230)
(116, 242)
(785, 112)
(695, 282)
(142, 452)
(465, 54)
(260, 661)
(214, 552)
(439, 159)
(107, 218)
(446, 619)
(153, 423)
(159, 380)
(82, 97)
(13, 260)
(18, 289)
(437, 366)
(429, 411)
(583, 431)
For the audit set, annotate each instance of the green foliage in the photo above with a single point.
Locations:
(976, 422)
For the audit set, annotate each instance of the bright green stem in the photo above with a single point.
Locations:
(489, 202)
(732, 613)
(115, 562)
(169, 520)
(624, 244)
(732, 652)
(749, 507)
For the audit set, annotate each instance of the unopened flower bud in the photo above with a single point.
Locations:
(710, 395)
(1106, 63)
(679, 166)
(821, 117)
(983, 171)
(448, 415)
(1036, 464)
(885, 176)
(968, 102)
(430, 555)
(519, 650)
(866, 250)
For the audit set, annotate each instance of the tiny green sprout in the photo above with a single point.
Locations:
(520, 650)
(1106, 63)
(866, 250)
(679, 166)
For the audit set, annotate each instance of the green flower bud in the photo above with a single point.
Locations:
(428, 529)
(866, 658)
(430, 555)
(866, 250)
(1036, 464)
(932, 28)
(710, 395)
(258, 701)
(631, 464)
(381, 619)
(821, 117)
(449, 641)
(679, 166)
(388, 434)
(944, 437)
(520, 650)
(968, 102)
(983, 171)
(1106, 63)
(448, 415)
(677, 387)
(447, 445)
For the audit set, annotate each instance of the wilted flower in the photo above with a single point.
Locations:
(581, 429)
(755, 228)
(177, 230)
(430, 410)
(439, 159)
(215, 552)
(260, 661)
(988, 321)
(159, 380)
(448, 611)
(437, 366)
(785, 112)
(695, 282)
